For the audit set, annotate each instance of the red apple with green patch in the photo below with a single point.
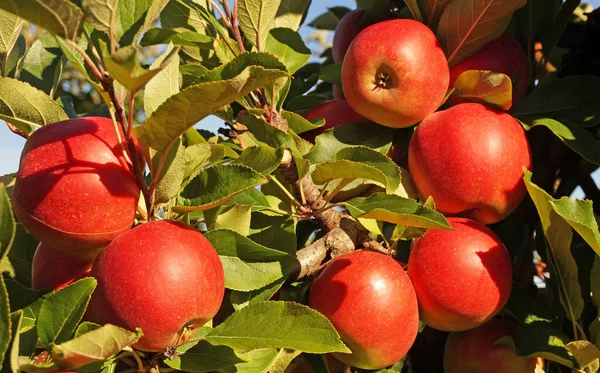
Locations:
(395, 73)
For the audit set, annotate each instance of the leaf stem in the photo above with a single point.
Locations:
(138, 360)
(223, 17)
(17, 131)
(236, 28)
(284, 189)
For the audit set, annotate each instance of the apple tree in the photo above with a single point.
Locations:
(398, 200)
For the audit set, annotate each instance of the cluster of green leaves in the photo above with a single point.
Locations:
(232, 184)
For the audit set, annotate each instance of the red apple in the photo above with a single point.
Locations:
(54, 269)
(470, 159)
(395, 73)
(335, 112)
(462, 277)
(164, 277)
(74, 190)
(370, 301)
(475, 351)
(502, 55)
(350, 25)
(337, 92)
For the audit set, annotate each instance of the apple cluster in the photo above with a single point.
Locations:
(75, 192)
(469, 158)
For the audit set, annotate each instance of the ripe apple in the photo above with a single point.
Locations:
(164, 277)
(395, 73)
(335, 112)
(470, 159)
(475, 351)
(370, 301)
(502, 55)
(350, 25)
(462, 277)
(54, 269)
(74, 190)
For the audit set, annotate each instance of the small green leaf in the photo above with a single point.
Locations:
(256, 361)
(11, 359)
(226, 49)
(197, 157)
(332, 73)
(541, 341)
(330, 19)
(375, 159)
(558, 236)
(183, 110)
(164, 85)
(241, 299)
(100, 14)
(569, 99)
(43, 65)
(8, 227)
(347, 170)
(59, 17)
(256, 19)
(248, 265)
(580, 216)
(276, 232)
(586, 355)
(86, 327)
(5, 321)
(216, 185)
(172, 172)
(178, 37)
(125, 67)
(21, 254)
(235, 218)
(63, 310)
(486, 87)
(332, 141)
(204, 357)
(291, 13)
(289, 47)
(298, 327)
(299, 124)
(155, 9)
(131, 16)
(93, 346)
(397, 210)
(466, 26)
(26, 107)
(261, 158)
(10, 29)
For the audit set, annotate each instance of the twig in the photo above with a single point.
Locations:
(236, 28)
(284, 189)
(140, 364)
(131, 109)
(223, 17)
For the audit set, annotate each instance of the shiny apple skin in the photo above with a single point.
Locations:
(335, 112)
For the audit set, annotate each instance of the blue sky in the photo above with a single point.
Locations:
(11, 145)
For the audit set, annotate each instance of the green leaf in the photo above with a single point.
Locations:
(432, 11)
(397, 210)
(15, 56)
(298, 327)
(256, 19)
(347, 170)
(283, 360)
(466, 26)
(164, 84)
(241, 299)
(77, 59)
(59, 17)
(86, 327)
(178, 37)
(8, 228)
(580, 216)
(332, 73)
(10, 29)
(93, 346)
(330, 19)
(63, 310)
(216, 185)
(43, 65)
(21, 254)
(276, 232)
(541, 342)
(155, 9)
(226, 49)
(26, 107)
(570, 99)
(375, 159)
(197, 157)
(248, 265)
(5, 321)
(486, 87)
(235, 218)
(172, 172)
(100, 14)
(332, 141)
(413, 7)
(575, 137)
(289, 47)
(130, 17)
(204, 357)
(586, 355)
(558, 237)
(185, 109)
(261, 158)
(299, 124)
(550, 38)
(291, 13)
(11, 363)
(125, 67)
(257, 361)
